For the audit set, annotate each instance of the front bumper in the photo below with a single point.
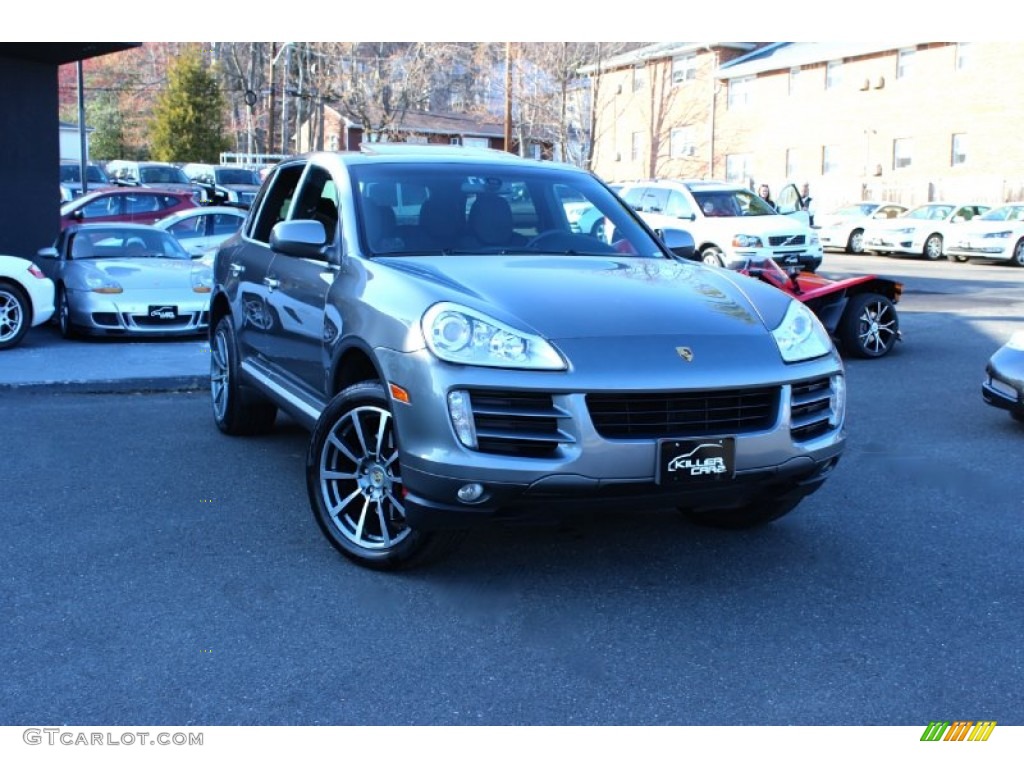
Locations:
(1004, 386)
(582, 466)
(111, 314)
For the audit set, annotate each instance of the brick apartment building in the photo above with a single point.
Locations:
(909, 122)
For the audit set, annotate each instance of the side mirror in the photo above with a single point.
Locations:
(47, 253)
(77, 215)
(304, 238)
(680, 242)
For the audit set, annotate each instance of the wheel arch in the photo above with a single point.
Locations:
(353, 362)
(219, 307)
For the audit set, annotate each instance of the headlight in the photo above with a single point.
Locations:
(98, 283)
(999, 235)
(202, 280)
(801, 336)
(746, 241)
(461, 335)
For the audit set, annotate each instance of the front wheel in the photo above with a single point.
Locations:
(856, 242)
(933, 247)
(712, 256)
(354, 480)
(869, 326)
(237, 410)
(67, 328)
(752, 515)
(1017, 259)
(15, 315)
(956, 257)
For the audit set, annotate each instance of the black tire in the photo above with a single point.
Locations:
(957, 258)
(869, 326)
(712, 256)
(855, 244)
(933, 247)
(15, 314)
(67, 328)
(1017, 260)
(237, 409)
(353, 475)
(750, 516)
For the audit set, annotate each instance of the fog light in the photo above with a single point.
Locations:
(470, 492)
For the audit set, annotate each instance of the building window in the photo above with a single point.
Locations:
(794, 75)
(963, 55)
(639, 77)
(739, 168)
(833, 75)
(681, 142)
(740, 89)
(901, 153)
(638, 146)
(829, 159)
(904, 63)
(684, 68)
(332, 142)
(959, 149)
(792, 163)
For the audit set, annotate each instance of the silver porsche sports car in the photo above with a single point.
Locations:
(117, 279)
(1003, 386)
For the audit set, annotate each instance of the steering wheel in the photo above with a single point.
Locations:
(561, 241)
(549, 234)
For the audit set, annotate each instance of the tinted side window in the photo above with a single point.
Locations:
(277, 201)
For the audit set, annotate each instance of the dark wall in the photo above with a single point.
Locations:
(29, 157)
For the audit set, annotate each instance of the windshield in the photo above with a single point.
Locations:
(125, 243)
(931, 212)
(861, 209)
(73, 174)
(1006, 213)
(162, 175)
(731, 202)
(237, 176)
(408, 209)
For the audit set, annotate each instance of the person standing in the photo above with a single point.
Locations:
(807, 202)
(765, 193)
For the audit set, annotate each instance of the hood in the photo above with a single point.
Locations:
(565, 297)
(147, 273)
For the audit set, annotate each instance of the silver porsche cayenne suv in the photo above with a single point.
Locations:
(460, 354)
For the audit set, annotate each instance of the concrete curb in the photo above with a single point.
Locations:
(113, 386)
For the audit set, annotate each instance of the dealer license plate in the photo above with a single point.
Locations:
(695, 461)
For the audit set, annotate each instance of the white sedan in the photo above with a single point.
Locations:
(202, 230)
(26, 299)
(921, 231)
(997, 235)
(844, 228)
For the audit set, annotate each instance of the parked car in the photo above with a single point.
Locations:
(134, 173)
(919, 231)
(118, 279)
(130, 205)
(225, 184)
(201, 230)
(1003, 386)
(26, 299)
(997, 234)
(463, 368)
(729, 223)
(844, 227)
(859, 312)
(71, 180)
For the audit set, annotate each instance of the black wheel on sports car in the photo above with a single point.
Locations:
(713, 256)
(67, 328)
(869, 326)
(933, 247)
(750, 516)
(1017, 259)
(856, 242)
(15, 314)
(354, 480)
(237, 409)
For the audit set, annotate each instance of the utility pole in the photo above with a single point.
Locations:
(270, 121)
(508, 97)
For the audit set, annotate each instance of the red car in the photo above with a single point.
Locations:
(859, 312)
(137, 205)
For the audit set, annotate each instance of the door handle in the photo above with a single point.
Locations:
(271, 283)
(237, 269)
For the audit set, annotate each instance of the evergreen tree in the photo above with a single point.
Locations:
(107, 140)
(188, 117)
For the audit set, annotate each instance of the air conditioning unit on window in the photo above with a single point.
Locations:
(880, 82)
(866, 85)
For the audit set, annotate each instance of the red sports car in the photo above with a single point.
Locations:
(859, 312)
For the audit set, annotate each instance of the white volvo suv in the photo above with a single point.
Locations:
(730, 224)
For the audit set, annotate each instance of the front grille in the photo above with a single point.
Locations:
(810, 409)
(777, 240)
(517, 423)
(682, 414)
